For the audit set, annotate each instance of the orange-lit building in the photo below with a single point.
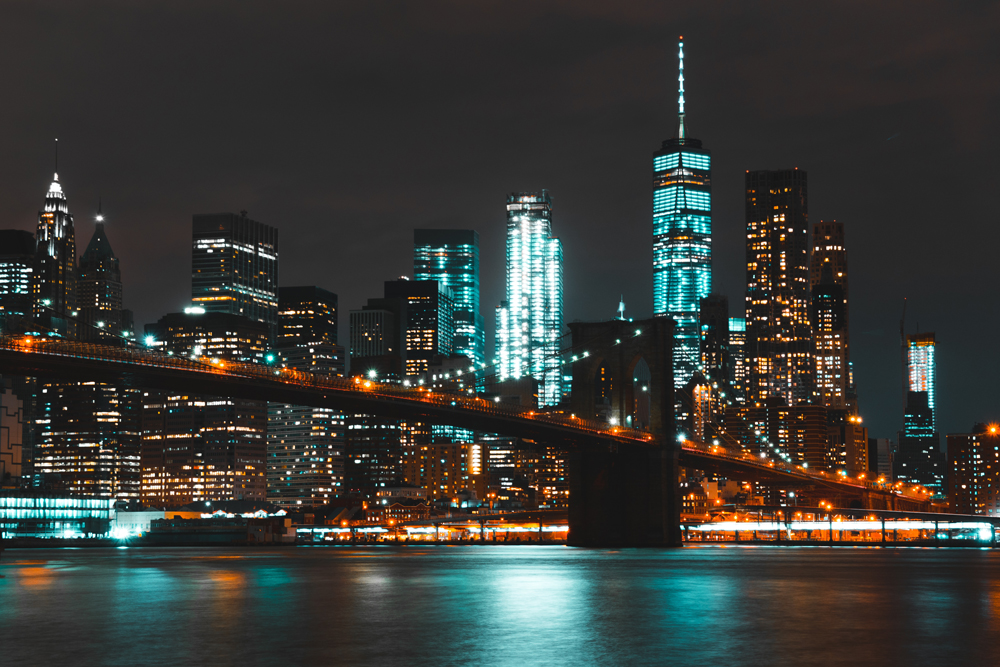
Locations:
(974, 471)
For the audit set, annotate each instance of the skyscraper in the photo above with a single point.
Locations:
(234, 266)
(428, 321)
(17, 254)
(682, 237)
(828, 281)
(780, 354)
(88, 432)
(306, 316)
(88, 435)
(714, 323)
(451, 257)
(922, 369)
(737, 358)
(197, 447)
(920, 459)
(305, 445)
(99, 292)
(53, 285)
(530, 320)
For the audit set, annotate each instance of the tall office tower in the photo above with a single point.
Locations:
(737, 358)
(714, 324)
(920, 459)
(451, 257)
(779, 354)
(306, 316)
(305, 445)
(922, 369)
(196, 447)
(234, 266)
(53, 280)
(428, 321)
(829, 316)
(682, 237)
(530, 321)
(87, 433)
(99, 293)
(17, 255)
(829, 259)
(974, 474)
(828, 282)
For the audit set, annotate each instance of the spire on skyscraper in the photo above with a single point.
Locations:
(680, 90)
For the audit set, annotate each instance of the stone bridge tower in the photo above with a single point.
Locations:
(625, 496)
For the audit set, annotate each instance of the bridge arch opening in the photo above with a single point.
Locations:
(641, 377)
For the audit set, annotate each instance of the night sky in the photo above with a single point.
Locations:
(348, 126)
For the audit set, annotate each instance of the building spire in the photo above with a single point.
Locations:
(680, 90)
(57, 159)
(100, 215)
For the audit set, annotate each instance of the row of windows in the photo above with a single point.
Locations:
(673, 160)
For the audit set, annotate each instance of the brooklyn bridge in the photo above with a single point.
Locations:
(623, 481)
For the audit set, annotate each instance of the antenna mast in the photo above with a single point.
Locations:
(680, 90)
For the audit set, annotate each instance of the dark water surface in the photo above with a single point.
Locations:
(500, 605)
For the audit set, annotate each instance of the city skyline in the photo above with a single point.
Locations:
(157, 286)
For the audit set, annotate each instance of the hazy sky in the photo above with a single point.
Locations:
(347, 125)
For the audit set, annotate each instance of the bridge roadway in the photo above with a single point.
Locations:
(142, 368)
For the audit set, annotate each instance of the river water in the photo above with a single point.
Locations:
(500, 605)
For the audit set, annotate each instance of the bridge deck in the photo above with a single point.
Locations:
(143, 368)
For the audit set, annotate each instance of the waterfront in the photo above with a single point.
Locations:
(503, 605)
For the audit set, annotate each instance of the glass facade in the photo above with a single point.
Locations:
(682, 239)
(920, 459)
(17, 251)
(428, 322)
(530, 321)
(36, 515)
(234, 266)
(451, 257)
(922, 369)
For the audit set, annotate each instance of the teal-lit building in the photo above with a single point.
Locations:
(919, 458)
(530, 321)
(682, 237)
(41, 514)
(451, 257)
(922, 369)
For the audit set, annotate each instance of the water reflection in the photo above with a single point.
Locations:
(500, 605)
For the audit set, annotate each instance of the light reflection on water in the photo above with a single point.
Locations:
(500, 605)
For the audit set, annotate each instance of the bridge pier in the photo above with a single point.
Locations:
(627, 498)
